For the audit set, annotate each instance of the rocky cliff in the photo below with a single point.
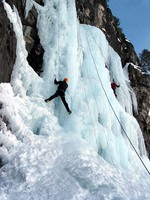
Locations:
(8, 39)
(95, 13)
(140, 82)
(7, 46)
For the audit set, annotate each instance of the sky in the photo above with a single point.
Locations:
(48, 154)
(134, 18)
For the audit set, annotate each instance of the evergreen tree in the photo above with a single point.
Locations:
(145, 58)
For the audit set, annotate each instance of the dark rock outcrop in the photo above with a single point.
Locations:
(97, 13)
(8, 39)
(140, 82)
(7, 46)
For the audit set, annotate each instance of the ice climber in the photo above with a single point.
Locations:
(114, 86)
(62, 86)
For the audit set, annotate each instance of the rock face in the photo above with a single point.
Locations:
(140, 82)
(95, 13)
(7, 47)
(8, 39)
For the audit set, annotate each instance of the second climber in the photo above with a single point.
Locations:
(114, 86)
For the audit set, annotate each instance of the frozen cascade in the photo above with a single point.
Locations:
(48, 154)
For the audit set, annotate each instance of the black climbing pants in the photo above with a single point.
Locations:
(62, 96)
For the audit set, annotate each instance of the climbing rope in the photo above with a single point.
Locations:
(98, 47)
(104, 57)
(106, 61)
(98, 113)
(113, 108)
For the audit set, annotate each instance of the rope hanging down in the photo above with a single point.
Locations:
(106, 62)
(99, 112)
(113, 108)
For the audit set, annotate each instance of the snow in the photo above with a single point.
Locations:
(127, 40)
(48, 154)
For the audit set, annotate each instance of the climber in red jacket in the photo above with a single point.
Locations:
(114, 86)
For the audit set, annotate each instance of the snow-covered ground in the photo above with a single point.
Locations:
(50, 155)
